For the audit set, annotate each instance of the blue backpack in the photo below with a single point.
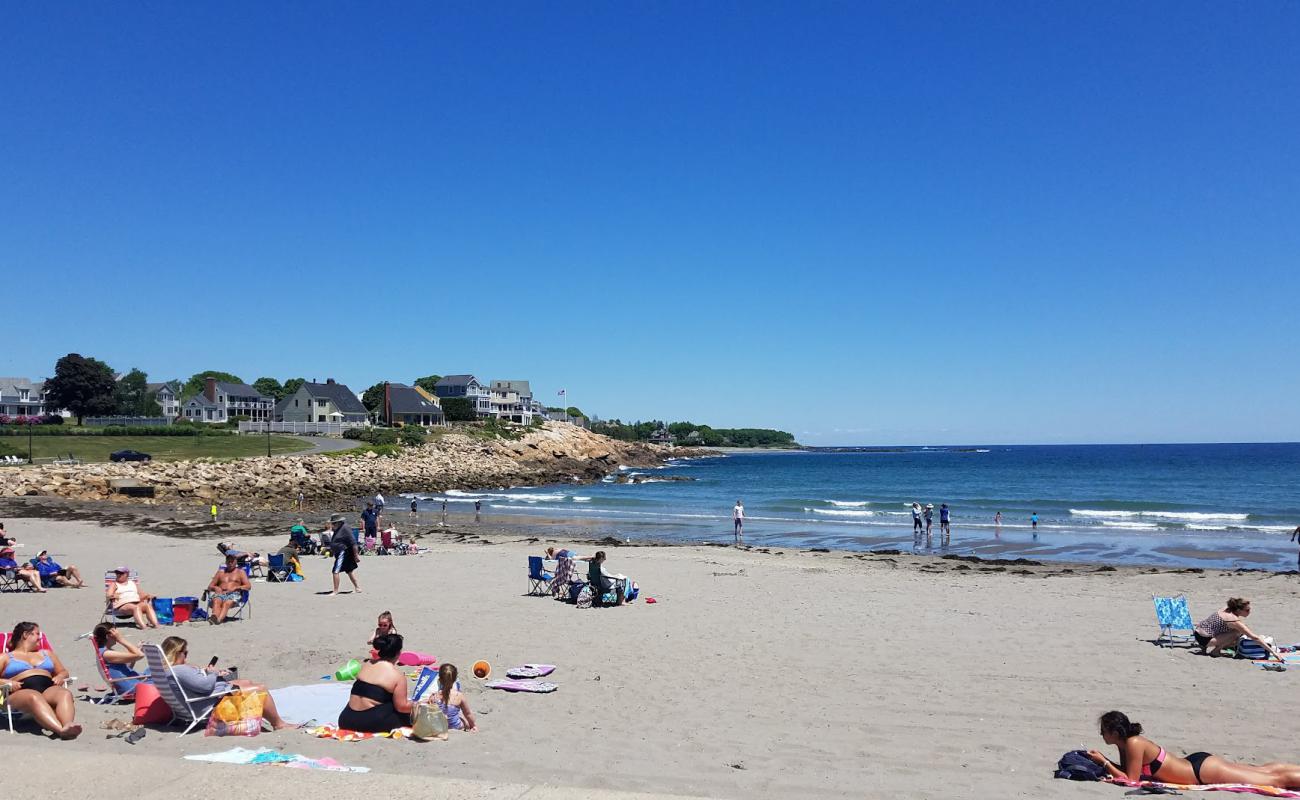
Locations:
(1076, 766)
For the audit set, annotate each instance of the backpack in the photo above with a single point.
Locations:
(1076, 766)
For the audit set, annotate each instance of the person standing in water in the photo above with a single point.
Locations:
(944, 528)
(738, 523)
(929, 524)
(1295, 537)
(1033, 520)
(415, 509)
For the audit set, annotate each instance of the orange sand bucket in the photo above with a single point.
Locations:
(481, 670)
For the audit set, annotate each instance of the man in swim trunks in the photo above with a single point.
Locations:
(226, 588)
(346, 552)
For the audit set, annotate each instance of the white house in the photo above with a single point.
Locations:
(168, 397)
(323, 402)
(22, 397)
(512, 401)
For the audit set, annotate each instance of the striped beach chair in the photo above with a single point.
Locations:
(193, 711)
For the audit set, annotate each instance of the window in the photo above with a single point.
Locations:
(295, 402)
(321, 403)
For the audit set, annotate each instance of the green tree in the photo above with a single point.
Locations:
(291, 387)
(574, 411)
(84, 386)
(458, 409)
(428, 382)
(269, 387)
(132, 398)
(197, 382)
(373, 398)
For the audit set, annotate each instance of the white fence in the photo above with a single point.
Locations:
(313, 428)
(135, 422)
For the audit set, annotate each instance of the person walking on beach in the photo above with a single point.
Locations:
(738, 523)
(379, 502)
(300, 499)
(1295, 537)
(213, 510)
(944, 527)
(347, 555)
(444, 512)
(414, 509)
(370, 519)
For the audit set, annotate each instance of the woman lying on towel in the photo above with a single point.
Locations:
(33, 677)
(1141, 759)
(212, 684)
(379, 701)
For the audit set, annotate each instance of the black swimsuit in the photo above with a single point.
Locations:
(37, 683)
(380, 719)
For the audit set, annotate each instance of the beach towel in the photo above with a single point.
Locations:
(342, 735)
(318, 701)
(535, 687)
(1240, 788)
(531, 671)
(266, 755)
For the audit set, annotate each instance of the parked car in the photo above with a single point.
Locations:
(129, 455)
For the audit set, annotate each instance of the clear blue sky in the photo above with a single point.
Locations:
(904, 223)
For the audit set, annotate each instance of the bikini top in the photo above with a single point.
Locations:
(1150, 769)
(371, 691)
(17, 665)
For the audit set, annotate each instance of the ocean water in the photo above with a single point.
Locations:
(1219, 505)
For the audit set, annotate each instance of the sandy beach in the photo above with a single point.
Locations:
(756, 674)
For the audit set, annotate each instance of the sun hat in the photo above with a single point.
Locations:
(119, 570)
(337, 518)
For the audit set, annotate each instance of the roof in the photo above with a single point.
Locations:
(405, 399)
(338, 394)
(519, 387)
(175, 387)
(9, 386)
(456, 380)
(202, 400)
(239, 390)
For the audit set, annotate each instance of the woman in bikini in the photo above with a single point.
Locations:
(33, 677)
(379, 701)
(1142, 759)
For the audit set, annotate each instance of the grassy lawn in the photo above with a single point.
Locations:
(162, 448)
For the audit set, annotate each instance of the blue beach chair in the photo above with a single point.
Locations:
(278, 568)
(1172, 615)
(539, 580)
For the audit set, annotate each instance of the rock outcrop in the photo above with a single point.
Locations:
(555, 453)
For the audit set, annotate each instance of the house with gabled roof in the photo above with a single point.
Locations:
(330, 401)
(411, 405)
(512, 401)
(466, 386)
(168, 397)
(221, 401)
(23, 397)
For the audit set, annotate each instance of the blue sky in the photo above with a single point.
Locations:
(876, 224)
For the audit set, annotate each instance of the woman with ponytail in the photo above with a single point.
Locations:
(452, 702)
(1141, 759)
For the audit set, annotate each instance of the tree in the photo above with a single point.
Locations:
(198, 381)
(82, 385)
(373, 398)
(574, 411)
(269, 387)
(458, 409)
(291, 387)
(132, 398)
(428, 382)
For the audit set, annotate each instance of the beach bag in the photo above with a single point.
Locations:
(633, 591)
(237, 714)
(162, 607)
(1249, 648)
(150, 707)
(1076, 766)
(429, 723)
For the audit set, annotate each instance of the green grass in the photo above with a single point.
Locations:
(162, 448)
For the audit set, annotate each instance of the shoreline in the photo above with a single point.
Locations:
(193, 523)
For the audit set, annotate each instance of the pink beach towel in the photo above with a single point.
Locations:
(535, 687)
(1240, 788)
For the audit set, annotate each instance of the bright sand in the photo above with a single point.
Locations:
(755, 675)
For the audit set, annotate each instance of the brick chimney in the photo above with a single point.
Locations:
(329, 381)
(210, 389)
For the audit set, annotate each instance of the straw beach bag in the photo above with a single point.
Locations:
(237, 714)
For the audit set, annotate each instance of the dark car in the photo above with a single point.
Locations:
(129, 455)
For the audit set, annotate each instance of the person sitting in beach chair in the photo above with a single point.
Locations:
(300, 538)
(13, 575)
(53, 574)
(252, 563)
(379, 700)
(227, 589)
(603, 583)
(1141, 759)
(117, 665)
(206, 686)
(32, 679)
(124, 599)
(1226, 627)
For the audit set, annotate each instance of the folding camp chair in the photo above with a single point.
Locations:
(1172, 615)
(112, 695)
(279, 568)
(237, 610)
(10, 582)
(184, 709)
(539, 579)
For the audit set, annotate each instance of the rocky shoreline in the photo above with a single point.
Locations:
(554, 453)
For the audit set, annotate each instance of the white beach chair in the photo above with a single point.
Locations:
(184, 709)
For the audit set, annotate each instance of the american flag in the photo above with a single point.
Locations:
(561, 393)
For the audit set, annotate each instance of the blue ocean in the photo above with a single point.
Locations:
(1208, 505)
